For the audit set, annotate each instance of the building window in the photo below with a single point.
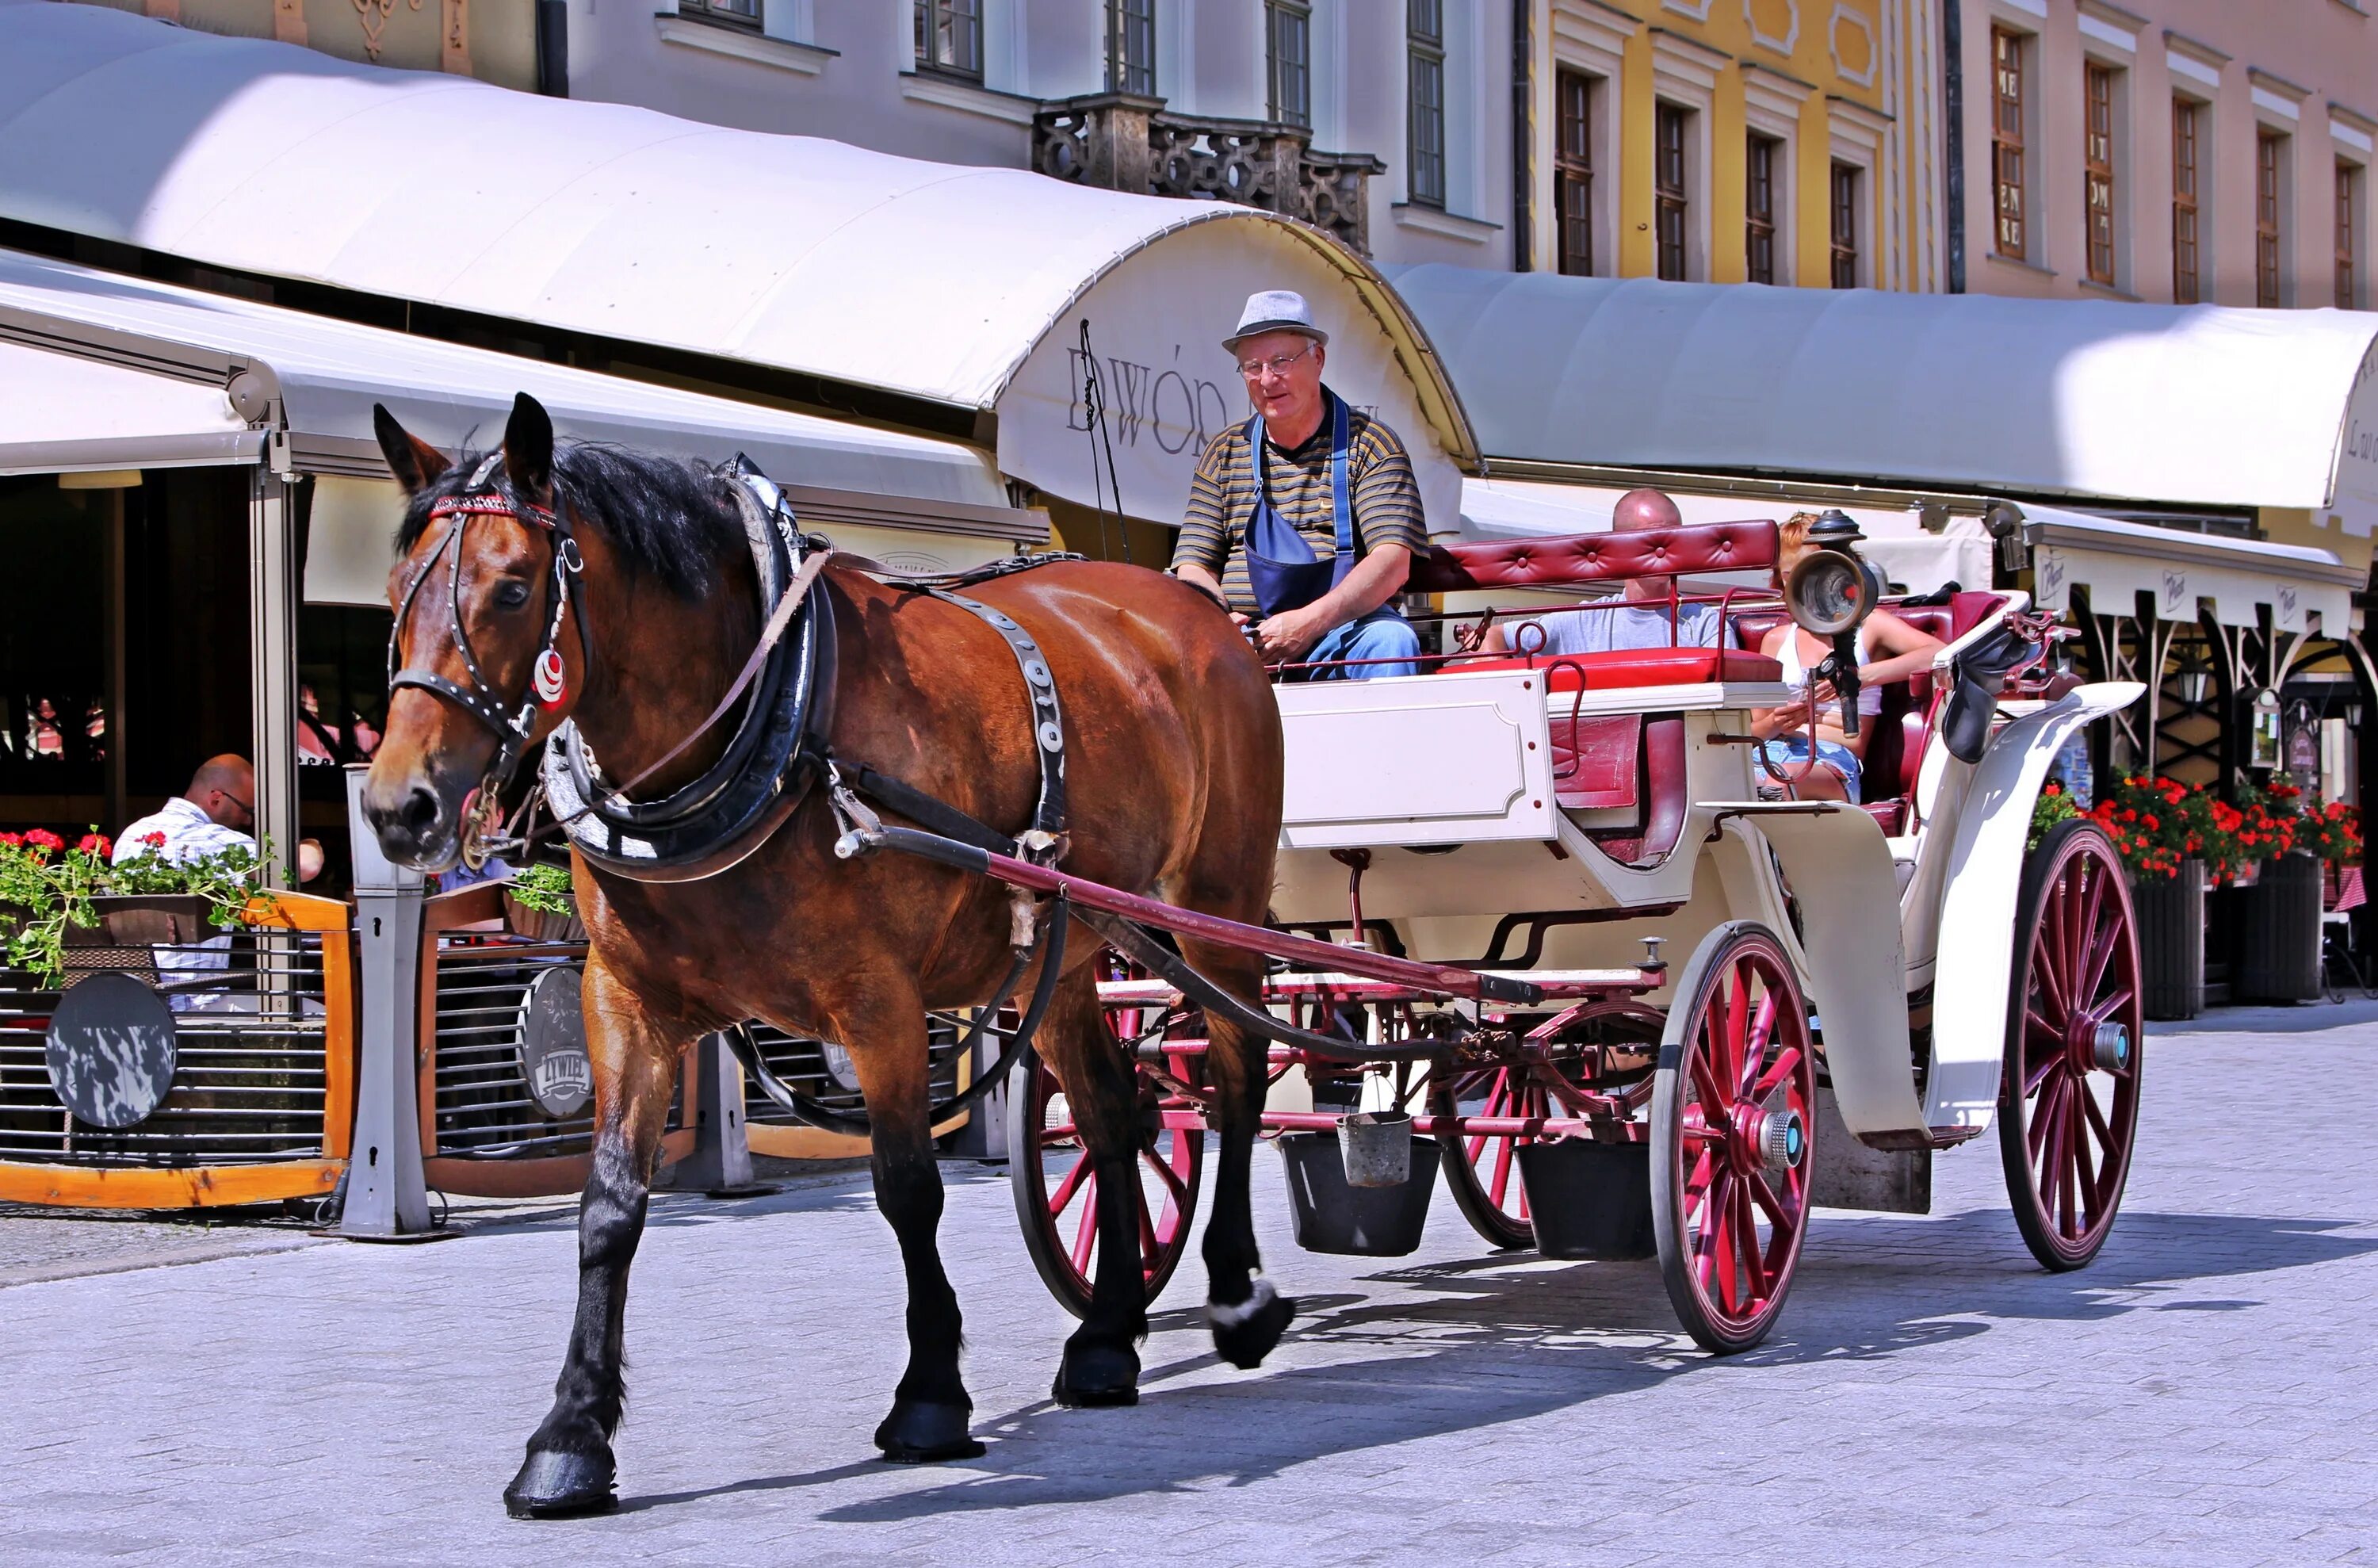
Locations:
(1846, 225)
(1288, 30)
(2268, 157)
(734, 13)
(1424, 90)
(1759, 217)
(2006, 140)
(949, 37)
(2097, 169)
(2187, 126)
(2348, 213)
(1131, 46)
(1669, 189)
(1573, 172)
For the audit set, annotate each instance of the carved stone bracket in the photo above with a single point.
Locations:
(1125, 141)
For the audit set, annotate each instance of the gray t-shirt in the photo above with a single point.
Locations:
(1621, 627)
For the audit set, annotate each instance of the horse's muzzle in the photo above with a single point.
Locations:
(416, 825)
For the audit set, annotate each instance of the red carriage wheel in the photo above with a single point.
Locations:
(1732, 1137)
(1057, 1192)
(1482, 1173)
(2069, 1090)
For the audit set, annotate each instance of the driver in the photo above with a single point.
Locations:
(1303, 521)
(1828, 764)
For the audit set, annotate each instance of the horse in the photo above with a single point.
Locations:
(637, 573)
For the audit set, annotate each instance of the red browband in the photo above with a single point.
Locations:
(492, 504)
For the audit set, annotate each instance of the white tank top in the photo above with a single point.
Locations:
(1796, 675)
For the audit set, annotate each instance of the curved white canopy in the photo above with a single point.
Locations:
(2196, 405)
(931, 280)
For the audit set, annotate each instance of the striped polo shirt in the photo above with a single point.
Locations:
(1379, 485)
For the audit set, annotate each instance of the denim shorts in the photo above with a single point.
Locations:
(1784, 750)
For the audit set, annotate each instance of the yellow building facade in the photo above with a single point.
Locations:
(1787, 142)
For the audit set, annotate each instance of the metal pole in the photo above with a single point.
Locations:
(386, 1199)
(273, 591)
(720, 1164)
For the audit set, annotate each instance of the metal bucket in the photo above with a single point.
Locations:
(1330, 1216)
(1377, 1146)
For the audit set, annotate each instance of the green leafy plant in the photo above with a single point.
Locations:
(2052, 807)
(46, 888)
(544, 888)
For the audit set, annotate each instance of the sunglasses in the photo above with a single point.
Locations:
(1254, 369)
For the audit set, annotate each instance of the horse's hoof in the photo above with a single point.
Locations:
(916, 1433)
(1094, 1375)
(555, 1485)
(1246, 1333)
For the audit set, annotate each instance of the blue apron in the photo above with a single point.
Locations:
(1283, 572)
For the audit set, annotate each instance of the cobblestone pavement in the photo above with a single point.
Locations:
(2205, 1393)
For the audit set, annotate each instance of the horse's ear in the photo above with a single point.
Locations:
(528, 449)
(415, 461)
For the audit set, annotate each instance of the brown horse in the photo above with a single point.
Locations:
(1172, 751)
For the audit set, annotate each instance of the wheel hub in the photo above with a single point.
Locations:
(1777, 1140)
(2099, 1046)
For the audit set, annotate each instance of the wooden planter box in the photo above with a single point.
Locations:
(539, 925)
(2170, 914)
(2277, 939)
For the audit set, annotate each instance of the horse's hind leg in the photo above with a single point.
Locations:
(569, 1468)
(1102, 1365)
(885, 1037)
(1246, 1313)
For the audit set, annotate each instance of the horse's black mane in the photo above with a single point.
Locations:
(668, 518)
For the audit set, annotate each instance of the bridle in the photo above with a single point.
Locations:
(513, 721)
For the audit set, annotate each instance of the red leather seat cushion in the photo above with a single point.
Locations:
(1597, 762)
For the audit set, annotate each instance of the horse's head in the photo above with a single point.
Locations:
(479, 666)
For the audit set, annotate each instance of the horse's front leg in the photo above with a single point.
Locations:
(884, 1033)
(1247, 1314)
(635, 1056)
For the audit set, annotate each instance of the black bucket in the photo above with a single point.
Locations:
(1590, 1199)
(1367, 1222)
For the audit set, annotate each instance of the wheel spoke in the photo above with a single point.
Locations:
(2043, 968)
(1767, 1200)
(2047, 1064)
(1176, 1192)
(2067, 1172)
(1746, 1245)
(1150, 1249)
(1711, 1246)
(2043, 1115)
(1759, 1036)
(2050, 1158)
(1720, 1036)
(2083, 1168)
(1087, 1237)
(1716, 1104)
(1787, 1062)
(2097, 1124)
(1504, 1148)
(1075, 1176)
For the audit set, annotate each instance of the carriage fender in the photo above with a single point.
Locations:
(1838, 867)
(1977, 916)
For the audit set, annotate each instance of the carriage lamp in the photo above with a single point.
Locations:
(2004, 520)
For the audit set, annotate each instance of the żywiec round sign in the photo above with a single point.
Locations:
(112, 1051)
(553, 1043)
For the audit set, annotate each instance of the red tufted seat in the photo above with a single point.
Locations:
(1553, 561)
(1638, 667)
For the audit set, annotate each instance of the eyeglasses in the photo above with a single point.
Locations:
(243, 805)
(1252, 369)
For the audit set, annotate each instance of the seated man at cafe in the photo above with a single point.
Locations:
(1641, 618)
(215, 816)
(1303, 521)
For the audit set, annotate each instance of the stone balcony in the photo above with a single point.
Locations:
(1125, 141)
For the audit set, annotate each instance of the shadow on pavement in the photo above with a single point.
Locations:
(1483, 1341)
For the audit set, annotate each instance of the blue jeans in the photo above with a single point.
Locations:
(1786, 750)
(1381, 634)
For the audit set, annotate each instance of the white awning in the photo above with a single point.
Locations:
(2091, 399)
(99, 370)
(963, 287)
(63, 413)
(2183, 573)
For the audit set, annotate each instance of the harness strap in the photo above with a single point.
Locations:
(1043, 843)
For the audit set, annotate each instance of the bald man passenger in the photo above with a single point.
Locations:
(1639, 617)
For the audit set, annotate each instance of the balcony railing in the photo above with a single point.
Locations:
(1125, 141)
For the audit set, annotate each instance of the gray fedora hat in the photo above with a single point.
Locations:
(1275, 310)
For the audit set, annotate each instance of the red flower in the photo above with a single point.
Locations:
(12, 841)
(96, 844)
(154, 841)
(2151, 824)
(43, 840)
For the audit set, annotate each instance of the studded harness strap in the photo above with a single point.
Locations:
(514, 720)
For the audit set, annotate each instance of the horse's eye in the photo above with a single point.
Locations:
(512, 595)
